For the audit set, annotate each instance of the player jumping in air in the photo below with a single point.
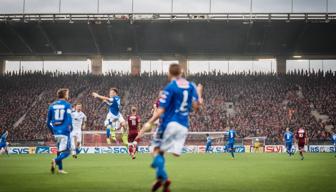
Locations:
(178, 99)
(59, 122)
(288, 139)
(78, 123)
(334, 141)
(230, 141)
(208, 143)
(114, 119)
(301, 137)
(3, 141)
(133, 121)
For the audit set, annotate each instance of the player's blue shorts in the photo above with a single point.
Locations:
(230, 145)
(208, 146)
(3, 145)
(289, 145)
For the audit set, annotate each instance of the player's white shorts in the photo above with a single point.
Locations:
(77, 134)
(63, 142)
(115, 120)
(173, 138)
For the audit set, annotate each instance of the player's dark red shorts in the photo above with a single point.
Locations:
(301, 145)
(132, 136)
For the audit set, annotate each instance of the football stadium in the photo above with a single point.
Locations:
(168, 95)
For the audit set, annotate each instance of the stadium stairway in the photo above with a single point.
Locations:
(22, 118)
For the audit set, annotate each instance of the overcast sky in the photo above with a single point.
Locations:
(181, 6)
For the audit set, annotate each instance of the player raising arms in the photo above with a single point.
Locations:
(133, 121)
(114, 119)
(178, 99)
(288, 139)
(78, 123)
(301, 136)
(3, 141)
(59, 122)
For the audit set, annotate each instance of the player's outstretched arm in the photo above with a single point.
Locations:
(149, 125)
(96, 95)
(197, 104)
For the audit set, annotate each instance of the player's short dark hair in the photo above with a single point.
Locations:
(175, 69)
(78, 104)
(62, 92)
(114, 89)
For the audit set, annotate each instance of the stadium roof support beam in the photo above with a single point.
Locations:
(97, 65)
(46, 36)
(21, 39)
(2, 66)
(135, 66)
(281, 65)
(94, 39)
(183, 61)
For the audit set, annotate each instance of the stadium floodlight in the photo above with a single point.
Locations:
(297, 56)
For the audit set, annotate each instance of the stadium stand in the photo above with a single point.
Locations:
(262, 104)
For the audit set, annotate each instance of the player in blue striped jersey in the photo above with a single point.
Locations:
(177, 100)
(288, 139)
(59, 122)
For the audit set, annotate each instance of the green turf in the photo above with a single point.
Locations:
(191, 172)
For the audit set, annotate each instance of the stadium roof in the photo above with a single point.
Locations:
(160, 35)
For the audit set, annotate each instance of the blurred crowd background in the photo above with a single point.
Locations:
(254, 104)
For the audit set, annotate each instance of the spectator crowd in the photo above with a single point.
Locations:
(263, 104)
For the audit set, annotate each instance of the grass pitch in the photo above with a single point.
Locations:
(190, 172)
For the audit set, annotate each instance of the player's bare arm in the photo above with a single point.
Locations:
(101, 97)
(149, 124)
(197, 105)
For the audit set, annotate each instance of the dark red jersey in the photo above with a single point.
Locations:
(157, 103)
(133, 123)
(301, 136)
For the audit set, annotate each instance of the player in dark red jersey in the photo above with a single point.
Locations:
(133, 127)
(301, 137)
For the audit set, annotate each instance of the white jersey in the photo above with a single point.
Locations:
(77, 120)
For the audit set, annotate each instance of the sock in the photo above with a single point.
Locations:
(157, 185)
(232, 154)
(130, 149)
(166, 186)
(60, 157)
(124, 139)
(113, 135)
(160, 168)
(60, 165)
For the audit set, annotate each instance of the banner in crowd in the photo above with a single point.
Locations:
(118, 149)
(186, 149)
(322, 148)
